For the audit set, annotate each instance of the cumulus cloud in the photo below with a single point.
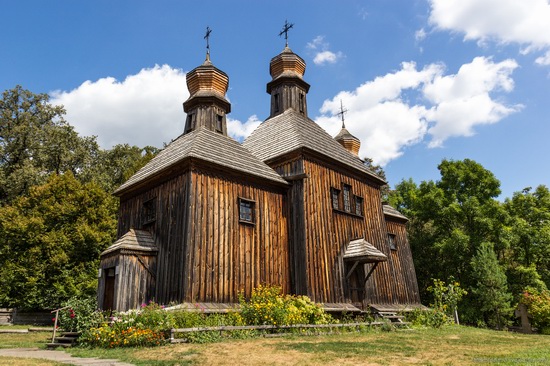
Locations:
(143, 109)
(239, 130)
(386, 121)
(322, 54)
(525, 22)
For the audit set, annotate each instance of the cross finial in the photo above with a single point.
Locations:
(285, 30)
(341, 113)
(207, 37)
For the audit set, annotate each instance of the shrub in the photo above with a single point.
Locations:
(267, 306)
(538, 305)
(80, 315)
(110, 337)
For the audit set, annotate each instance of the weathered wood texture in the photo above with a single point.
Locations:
(205, 253)
(326, 232)
(405, 275)
(168, 230)
(134, 280)
(226, 256)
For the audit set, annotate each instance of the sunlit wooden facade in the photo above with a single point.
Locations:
(209, 217)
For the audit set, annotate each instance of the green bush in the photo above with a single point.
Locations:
(268, 306)
(80, 315)
(106, 336)
(538, 305)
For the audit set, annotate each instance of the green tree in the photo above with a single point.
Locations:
(529, 257)
(450, 219)
(491, 288)
(35, 141)
(50, 241)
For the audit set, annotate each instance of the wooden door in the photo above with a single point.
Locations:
(355, 283)
(109, 294)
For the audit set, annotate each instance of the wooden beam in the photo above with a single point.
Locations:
(370, 272)
(351, 270)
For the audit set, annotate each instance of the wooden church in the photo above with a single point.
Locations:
(292, 206)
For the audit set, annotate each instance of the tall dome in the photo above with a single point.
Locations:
(207, 105)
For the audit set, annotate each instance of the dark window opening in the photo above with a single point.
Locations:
(219, 123)
(392, 242)
(190, 122)
(149, 213)
(276, 103)
(246, 210)
(358, 205)
(347, 198)
(335, 194)
(302, 103)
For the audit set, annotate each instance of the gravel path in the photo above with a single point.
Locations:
(59, 356)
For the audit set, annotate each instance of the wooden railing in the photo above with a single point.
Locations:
(56, 311)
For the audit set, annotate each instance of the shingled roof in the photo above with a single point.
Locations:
(205, 145)
(390, 211)
(362, 251)
(135, 240)
(290, 131)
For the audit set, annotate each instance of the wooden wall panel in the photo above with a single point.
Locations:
(168, 231)
(328, 232)
(227, 256)
(406, 283)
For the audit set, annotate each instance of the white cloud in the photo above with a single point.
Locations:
(420, 34)
(544, 60)
(523, 22)
(322, 54)
(445, 106)
(144, 109)
(239, 130)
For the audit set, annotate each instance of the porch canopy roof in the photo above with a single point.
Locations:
(360, 250)
(135, 241)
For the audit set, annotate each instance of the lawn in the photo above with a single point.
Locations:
(447, 346)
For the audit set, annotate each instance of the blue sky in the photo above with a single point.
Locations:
(423, 80)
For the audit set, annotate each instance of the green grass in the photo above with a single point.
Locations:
(446, 346)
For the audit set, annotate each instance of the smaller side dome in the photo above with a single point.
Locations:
(287, 63)
(206, 79)
(348, 141)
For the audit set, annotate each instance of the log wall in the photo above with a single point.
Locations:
(205, 253)
(405, 275)
(226, 256)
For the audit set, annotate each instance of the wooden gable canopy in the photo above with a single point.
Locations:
(360, 250)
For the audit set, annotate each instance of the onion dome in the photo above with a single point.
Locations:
(287, 66)
(206, 81)
(348, 141)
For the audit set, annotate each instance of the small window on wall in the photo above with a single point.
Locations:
(302, 103)
(358, 205)
(190, 122)
(392, 242)
(276, 103)
(246, 211)
(347, 198)
(219, 123)
(149, 211)
(335, 194)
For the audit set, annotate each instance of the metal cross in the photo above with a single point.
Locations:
(285, 30)
(341, 113)
(207, 37)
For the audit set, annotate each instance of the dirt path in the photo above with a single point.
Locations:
(59, 356)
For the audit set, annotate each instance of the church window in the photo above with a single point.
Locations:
(335, 194)
(246, 210)
(190, 122)
(391, 241)
(302, 104)
(358, 205)
(276, 103)
(219, 123)
(347, 198)
(149, 211)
